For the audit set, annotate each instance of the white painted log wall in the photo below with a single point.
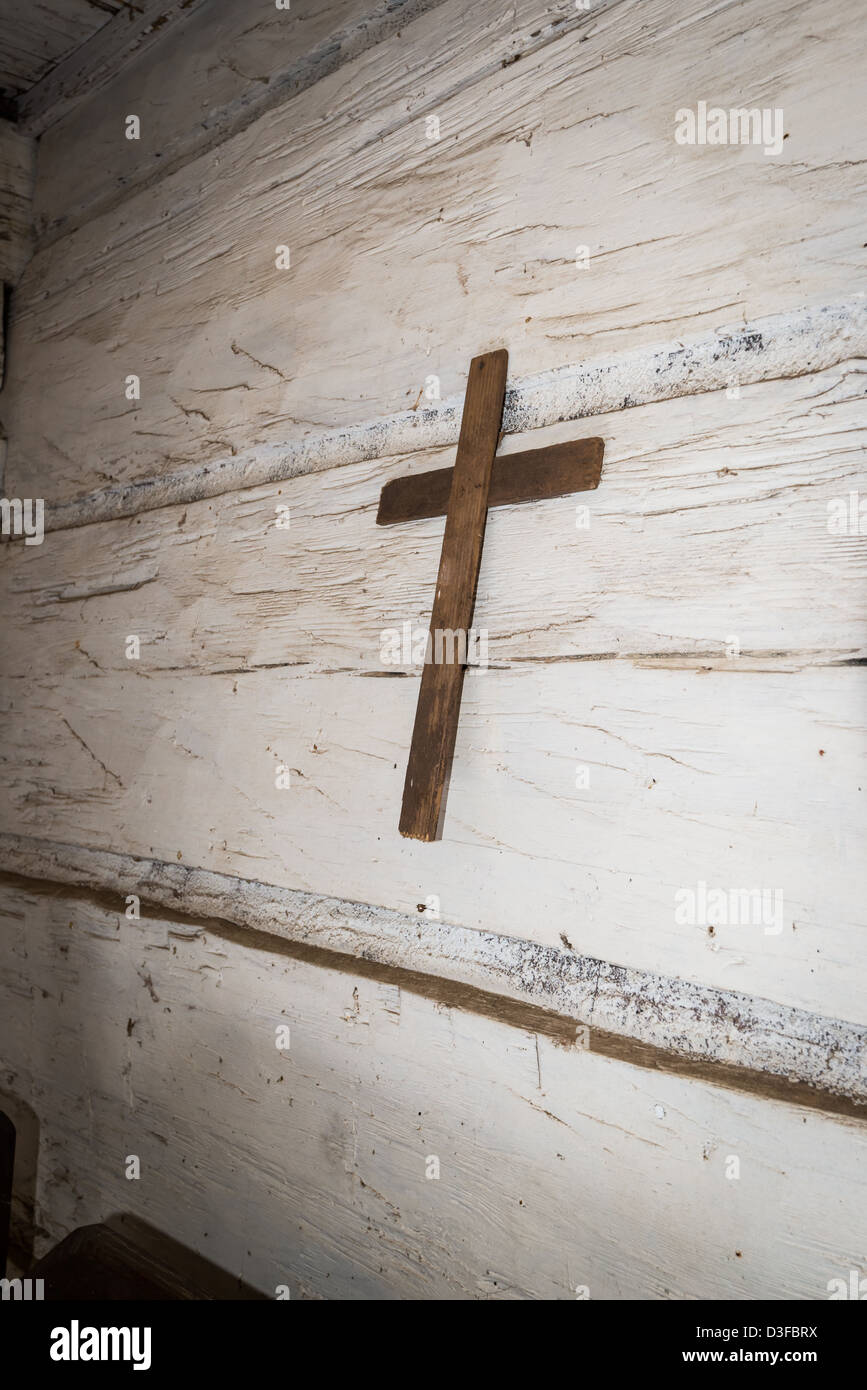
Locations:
(223, 65)
(306, 1167)
(608, 648)
(694, 778)
(398, 255)
(711, 519)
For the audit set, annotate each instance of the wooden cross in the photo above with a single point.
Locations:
(464, 494)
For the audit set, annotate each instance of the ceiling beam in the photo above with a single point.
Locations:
(98, 60)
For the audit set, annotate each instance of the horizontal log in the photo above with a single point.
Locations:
(786, 345)
(162, 1036)
(212, 57)
(236, 357)
(675, 1025)
(583, 800)
(710, 502)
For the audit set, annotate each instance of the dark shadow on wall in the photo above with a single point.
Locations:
(118, 1259)
(50, 1179)
(126, 1258)
(7, 1164)
(20, 1151)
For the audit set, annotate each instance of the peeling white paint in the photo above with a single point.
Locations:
(783, 345)
(307, 1166)
(693, 1020)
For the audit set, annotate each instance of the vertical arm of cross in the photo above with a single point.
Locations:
(439, 700)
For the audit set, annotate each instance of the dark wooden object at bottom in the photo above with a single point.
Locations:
(7, 1163)
(126, 1259)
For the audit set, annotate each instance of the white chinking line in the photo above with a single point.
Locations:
(699, 1022)
(783, 345)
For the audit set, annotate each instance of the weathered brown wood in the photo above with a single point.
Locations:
(530, 476)
(439, 700)
(7, 1165)
(124, 1258)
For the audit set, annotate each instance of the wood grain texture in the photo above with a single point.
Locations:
(739, 779)
(306, 1166)
(721, 1036)
(17, 161)
(226, 74)
(439, 699)
(534, 475)
(779, 346)
(674, 695)
(233, 353)
(223, 72)
(34, 37)
(101, 56)
(261, 647)
(711, 521)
